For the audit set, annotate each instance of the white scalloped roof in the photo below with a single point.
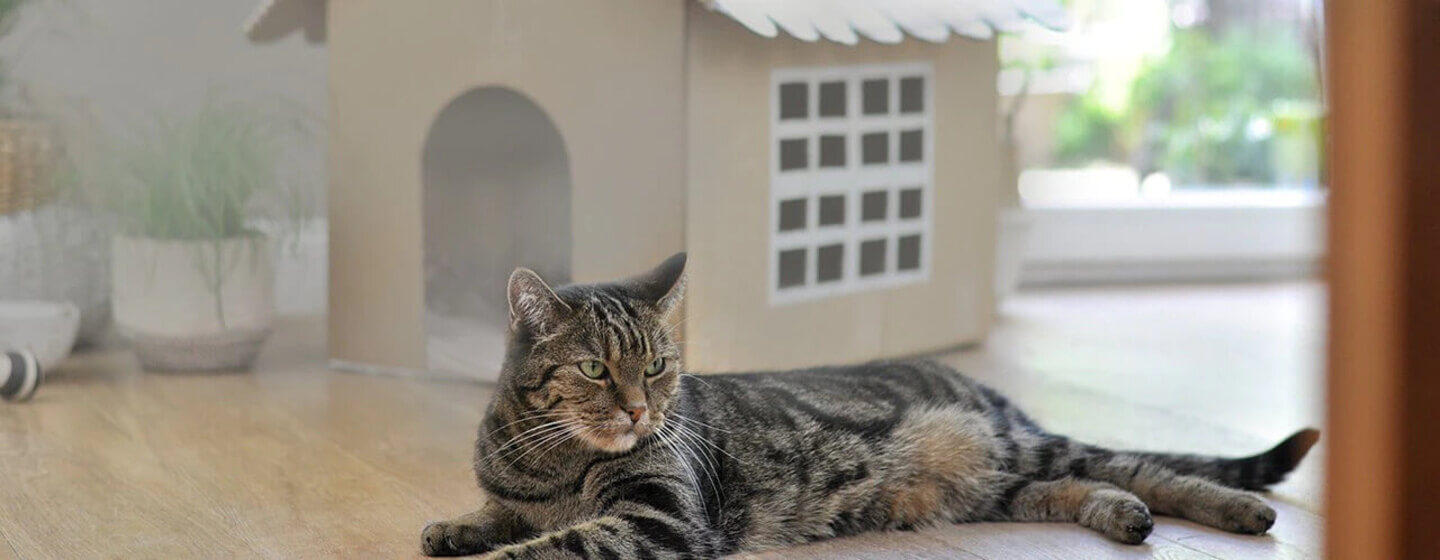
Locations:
(888, 21)
(842, 21)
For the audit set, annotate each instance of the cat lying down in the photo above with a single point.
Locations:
(598, 446)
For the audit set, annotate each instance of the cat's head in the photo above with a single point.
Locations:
(599, 359)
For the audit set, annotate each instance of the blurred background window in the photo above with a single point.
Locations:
(1165, 140)
(1189, 100)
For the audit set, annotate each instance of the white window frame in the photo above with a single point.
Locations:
(1221, 235)
(851, 181)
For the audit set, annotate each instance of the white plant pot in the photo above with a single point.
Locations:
(1016, 228)
(193, 305)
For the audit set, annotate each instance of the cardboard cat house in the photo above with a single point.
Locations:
(832, 167)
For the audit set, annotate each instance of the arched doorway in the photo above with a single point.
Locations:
(496, 196)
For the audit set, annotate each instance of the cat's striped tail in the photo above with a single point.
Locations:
(1256, 472)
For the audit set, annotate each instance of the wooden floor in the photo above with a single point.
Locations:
(294, 461)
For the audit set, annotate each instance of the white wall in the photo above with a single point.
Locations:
(128, 59)
(120, 63)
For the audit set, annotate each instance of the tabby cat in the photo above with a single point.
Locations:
(598, 446)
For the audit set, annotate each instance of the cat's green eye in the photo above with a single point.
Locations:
(656, 367)
(593, 369)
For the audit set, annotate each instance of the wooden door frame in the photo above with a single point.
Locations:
(1383, 498)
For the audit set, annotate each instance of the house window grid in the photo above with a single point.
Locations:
(851, 180)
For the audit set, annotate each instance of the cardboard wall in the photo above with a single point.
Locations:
(731, 324)
(610, 77)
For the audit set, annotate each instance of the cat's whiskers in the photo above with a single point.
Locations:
(533, 415)
(712, 476)
(694, 421)
(522, 436)
(554, 439)
(575, 432)
(696, 435)
(520, 440)
(664, 438)
(696, 378)
(700, 453)
(709, 462)
(536, 431)
(564, 426)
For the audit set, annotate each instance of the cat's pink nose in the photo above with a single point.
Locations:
(636, 411)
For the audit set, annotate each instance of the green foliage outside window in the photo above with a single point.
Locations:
(1238, 109)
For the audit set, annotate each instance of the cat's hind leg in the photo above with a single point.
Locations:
(1113, 512)
(1201, 501)
(1168, 492)
(1207, 490)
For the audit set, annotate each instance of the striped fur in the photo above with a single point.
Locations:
(744, 462)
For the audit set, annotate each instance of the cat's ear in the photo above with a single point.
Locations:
(533, 305)
(665, 285)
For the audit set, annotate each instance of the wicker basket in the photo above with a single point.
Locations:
(27, 152)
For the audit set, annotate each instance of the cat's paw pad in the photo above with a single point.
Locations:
(1130, 523)
(1247, 514)
(447, 539)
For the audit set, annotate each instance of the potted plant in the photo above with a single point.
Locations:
(192, 276)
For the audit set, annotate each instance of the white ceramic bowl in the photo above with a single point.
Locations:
(45, 328)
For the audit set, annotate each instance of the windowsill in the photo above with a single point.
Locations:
(1250, 234)
(1198, 198)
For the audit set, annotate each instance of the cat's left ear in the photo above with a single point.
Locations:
(665, 285)
(533, 305)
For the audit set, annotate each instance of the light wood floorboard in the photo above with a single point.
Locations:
(296, 461)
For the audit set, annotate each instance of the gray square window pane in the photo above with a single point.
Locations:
(872, 257)
(792, 154)
(872, 206)
(911, 145)
(912, 95)
(792, 214)
(794, 100)
(910, 203)
(876, 96)
(829, 263)
(908, 253)
(832, 99)
(832, 210)
(792, 268)
(832, 151)
(875, 147)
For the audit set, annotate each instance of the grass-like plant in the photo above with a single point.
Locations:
(206, 175)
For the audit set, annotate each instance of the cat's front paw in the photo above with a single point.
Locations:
(452, 539)
(1246, 514)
